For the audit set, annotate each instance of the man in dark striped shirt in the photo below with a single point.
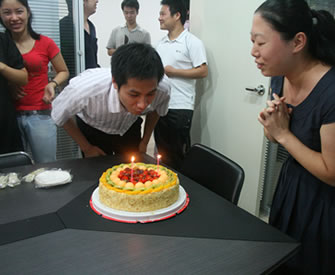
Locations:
(108, 106)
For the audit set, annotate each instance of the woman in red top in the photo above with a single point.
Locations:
(34, 100)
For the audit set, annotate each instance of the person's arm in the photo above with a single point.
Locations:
(111, 44)
(147, 38)
(320, 164)
(194, 73)
(110, 51)
(62, 74)
(16, 76)
(88, 149)
(150, 123)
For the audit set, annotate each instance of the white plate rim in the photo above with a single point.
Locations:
(142, 217)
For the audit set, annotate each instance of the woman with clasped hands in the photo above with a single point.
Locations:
(295, 45)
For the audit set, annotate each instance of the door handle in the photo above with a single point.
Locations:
(260, 90)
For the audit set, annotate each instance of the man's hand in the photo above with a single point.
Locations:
(143, 146)
(16, 91)
(93, 151)
(169, 70)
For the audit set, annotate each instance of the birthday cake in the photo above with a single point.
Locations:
(138, 187)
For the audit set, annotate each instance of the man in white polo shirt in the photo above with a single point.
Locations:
(129, 33)
(108, 105)
(184, 59)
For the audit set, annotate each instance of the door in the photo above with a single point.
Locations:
(225, 115)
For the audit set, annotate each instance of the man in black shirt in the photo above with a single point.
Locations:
(91, 45)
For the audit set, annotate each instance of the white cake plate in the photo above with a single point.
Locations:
(142, 217)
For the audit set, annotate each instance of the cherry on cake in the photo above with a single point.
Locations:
(138, 187)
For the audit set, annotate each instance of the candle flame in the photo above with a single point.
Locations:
(132, 159)
(158, 157)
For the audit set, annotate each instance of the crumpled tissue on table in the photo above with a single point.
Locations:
(43, 178)
(9, 179)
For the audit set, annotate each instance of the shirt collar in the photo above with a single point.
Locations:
(114, 104)
(135, 29)
(178, 39)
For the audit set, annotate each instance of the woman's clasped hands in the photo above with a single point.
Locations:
(275, 118)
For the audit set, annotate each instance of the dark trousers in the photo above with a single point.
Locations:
(113, 144)
(172, 136)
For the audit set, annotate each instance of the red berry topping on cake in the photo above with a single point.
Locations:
(139, 175)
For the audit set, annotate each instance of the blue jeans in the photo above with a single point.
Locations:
(39, 133)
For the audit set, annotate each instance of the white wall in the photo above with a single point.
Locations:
(109, 15)
(225, 116)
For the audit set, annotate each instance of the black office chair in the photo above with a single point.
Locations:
(15, 159)
(214, 171)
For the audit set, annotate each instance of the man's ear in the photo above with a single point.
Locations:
(177, 16)
(114, 84)
(300, 41)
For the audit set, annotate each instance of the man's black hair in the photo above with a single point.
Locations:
(130, 4)
(176, 6)
(136, 60)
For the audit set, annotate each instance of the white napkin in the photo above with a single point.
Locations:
(52, 178)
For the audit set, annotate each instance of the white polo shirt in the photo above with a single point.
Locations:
(185, 52)
(93, 98)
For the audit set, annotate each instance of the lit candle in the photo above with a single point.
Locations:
(158, 158)
(132, 168)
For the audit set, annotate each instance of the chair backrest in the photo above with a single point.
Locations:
(214, 171)
(15, 159)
